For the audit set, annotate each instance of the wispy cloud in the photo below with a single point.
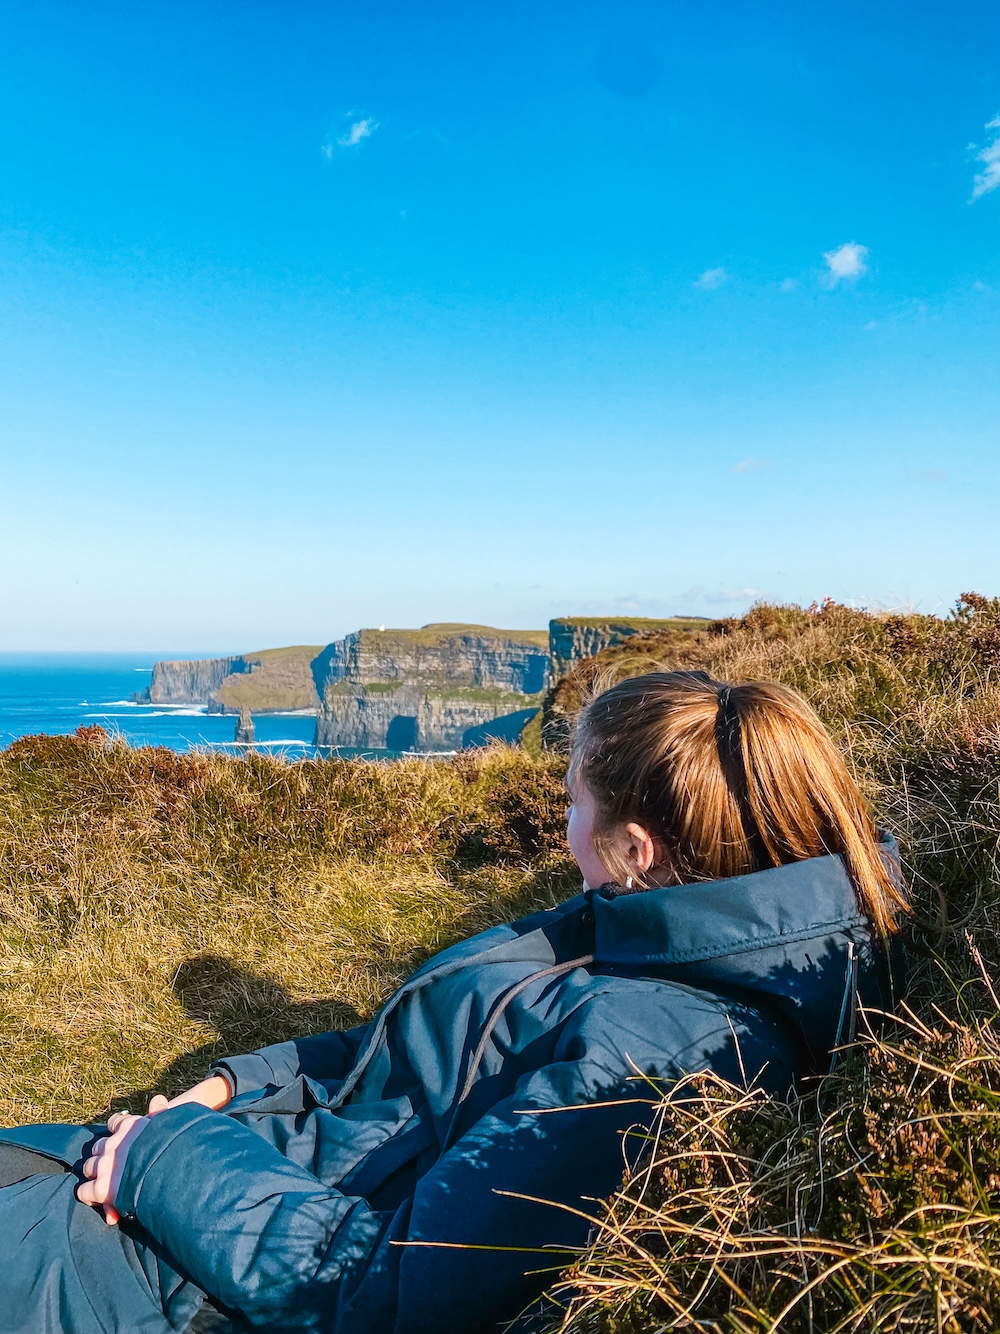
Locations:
(723, 595)
(710, 280)
(751, 465)
(989, 178)
(845, 264)
(359, 129)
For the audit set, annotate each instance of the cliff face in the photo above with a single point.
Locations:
(273, 680)
(440, 655)
(677, 645)
(438, 688)
(573, 638)
(193, 682)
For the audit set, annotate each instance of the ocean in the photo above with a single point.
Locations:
(59, 692)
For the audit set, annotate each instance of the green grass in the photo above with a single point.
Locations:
(439, 633)
(306, 651)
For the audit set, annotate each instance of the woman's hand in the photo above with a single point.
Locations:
(212, 1092)
(103, 1169)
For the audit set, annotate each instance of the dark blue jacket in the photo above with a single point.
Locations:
(375, 1180)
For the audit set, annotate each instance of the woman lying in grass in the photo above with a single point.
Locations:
(404, 1176)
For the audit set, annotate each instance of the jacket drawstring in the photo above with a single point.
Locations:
(490, 1026)
(848, 1006)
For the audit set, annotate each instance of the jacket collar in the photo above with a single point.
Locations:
(711, 919)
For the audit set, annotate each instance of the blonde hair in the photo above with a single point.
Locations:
(729, 779)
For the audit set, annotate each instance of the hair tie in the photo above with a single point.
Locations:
(728, 725)
(729, 742)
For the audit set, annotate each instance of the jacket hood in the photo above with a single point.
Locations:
(791, 941)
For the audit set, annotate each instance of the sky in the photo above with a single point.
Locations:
(322, 315)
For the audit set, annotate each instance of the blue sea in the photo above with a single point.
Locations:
(59, 692)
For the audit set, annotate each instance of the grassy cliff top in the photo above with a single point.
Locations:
(308, 651)
(639, 625)
(439, 632)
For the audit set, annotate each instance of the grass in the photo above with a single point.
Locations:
(440, 632)
(159, 909)
(294, 651)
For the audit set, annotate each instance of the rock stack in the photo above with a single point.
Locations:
(245, 730)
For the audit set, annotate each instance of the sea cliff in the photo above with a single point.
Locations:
(272, 680)
(441, 687)
(183, 682)
(572, 638)
(437, 688)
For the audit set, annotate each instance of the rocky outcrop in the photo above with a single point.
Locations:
(195, 682)
(572, 638)
(245, 729)
(438, 688)
(674, 645)
(274, 680)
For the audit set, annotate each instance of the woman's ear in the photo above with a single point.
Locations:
(641, 850)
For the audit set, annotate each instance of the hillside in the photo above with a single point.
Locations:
(158, 909)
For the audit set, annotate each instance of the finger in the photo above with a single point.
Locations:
(90, 1168)
(157, 1103)
(121, 1130)
(86, 1193)
(111, 1215)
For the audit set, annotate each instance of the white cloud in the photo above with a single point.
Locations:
(710, 280)
(845, 264)
(989, 178)
(723, 595)
(360, 129)
(752, 465)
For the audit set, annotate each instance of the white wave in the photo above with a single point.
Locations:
(153, 713)
(291, 741)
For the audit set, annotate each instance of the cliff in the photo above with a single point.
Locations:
(437, 688)
(194, 682)
(680, 644)
(270, 681)
(572, 638)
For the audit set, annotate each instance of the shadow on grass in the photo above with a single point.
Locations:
(247, 1012)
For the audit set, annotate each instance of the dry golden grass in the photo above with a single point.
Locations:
(157, 909)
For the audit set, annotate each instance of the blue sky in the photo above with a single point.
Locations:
(315, 316)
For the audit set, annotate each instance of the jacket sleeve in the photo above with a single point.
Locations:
(269, 1240)
(325, 1056)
